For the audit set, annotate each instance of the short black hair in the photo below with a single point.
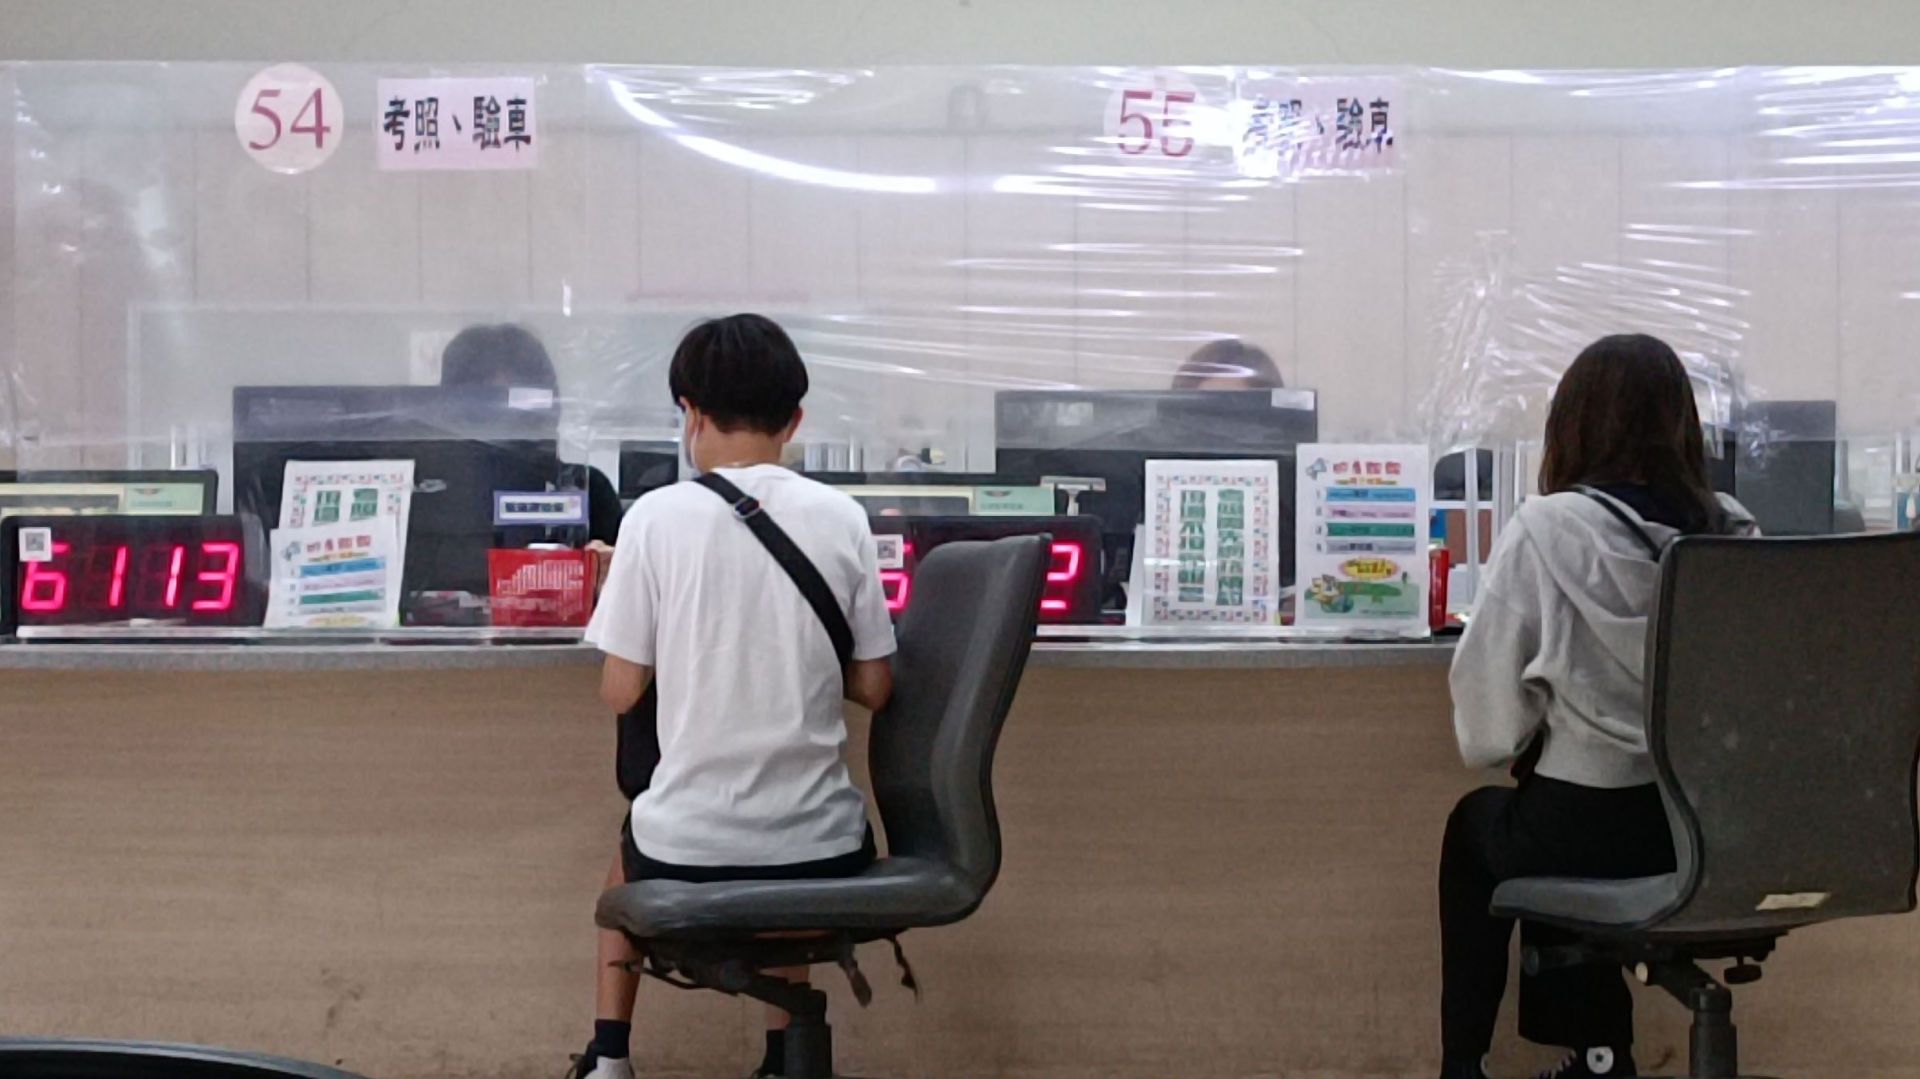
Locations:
(742, 370)
(503, 355)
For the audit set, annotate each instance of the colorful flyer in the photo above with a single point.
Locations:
(1211, 542)
(1361, 537)
(334, 492)
(338, 576)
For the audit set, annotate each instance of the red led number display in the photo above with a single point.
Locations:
(1056, 602)
(112, 580)
(108, 571)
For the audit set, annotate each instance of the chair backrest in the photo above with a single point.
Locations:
(963, 644)
(1783, 712)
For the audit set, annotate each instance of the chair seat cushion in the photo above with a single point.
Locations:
(1595, 906)
(893, 895)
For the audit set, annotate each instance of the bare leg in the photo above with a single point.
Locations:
(617, 988)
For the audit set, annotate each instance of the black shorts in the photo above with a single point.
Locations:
(639, 867)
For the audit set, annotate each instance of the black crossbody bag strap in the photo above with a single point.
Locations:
(806, 576)
(1621, 516)
(638, 749)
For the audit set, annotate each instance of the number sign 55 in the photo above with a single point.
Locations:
(1152, 119)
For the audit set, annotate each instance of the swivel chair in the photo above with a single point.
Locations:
(1783, 716)
(963, 644)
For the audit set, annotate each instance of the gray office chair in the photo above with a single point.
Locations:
(52, 1058)
(1783, 713)
(963, 643)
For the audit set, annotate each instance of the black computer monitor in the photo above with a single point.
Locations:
(82, 492)
(1110, 435)
(466, 443)
(929, 493)
(1784, 472)
(647, 466)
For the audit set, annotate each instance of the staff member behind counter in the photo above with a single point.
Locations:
(1228, 364)
(1552, 669)
(511, 357)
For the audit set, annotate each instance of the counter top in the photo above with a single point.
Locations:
(1102, 653)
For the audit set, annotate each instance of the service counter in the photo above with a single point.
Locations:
(1219, 861)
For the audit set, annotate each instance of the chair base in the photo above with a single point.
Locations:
(738, 971)
(1713, 1050)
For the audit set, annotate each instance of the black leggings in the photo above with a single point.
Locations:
(1545, 828)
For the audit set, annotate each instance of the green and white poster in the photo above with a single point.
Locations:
(1361, 530)
(1211, 536)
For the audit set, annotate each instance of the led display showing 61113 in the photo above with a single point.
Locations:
(99, 570)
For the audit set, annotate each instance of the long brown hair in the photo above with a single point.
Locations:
(1624, 413)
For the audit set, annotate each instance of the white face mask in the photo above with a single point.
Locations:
(688, 470)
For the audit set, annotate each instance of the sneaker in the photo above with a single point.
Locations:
(1598, 1061)
(588, 1066)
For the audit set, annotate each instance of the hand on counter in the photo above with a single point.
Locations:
(602, 564)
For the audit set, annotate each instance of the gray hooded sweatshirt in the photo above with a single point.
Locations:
(1558, 640)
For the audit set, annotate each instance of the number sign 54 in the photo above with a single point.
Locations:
(288, 118)
(1152, 119)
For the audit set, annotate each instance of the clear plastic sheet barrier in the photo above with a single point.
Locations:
(1006, 276)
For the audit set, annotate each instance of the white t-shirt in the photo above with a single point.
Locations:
(752, 737)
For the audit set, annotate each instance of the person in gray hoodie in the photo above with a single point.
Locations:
(1548, 681)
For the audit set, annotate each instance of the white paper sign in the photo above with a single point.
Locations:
(1211, 540)
(457, 124)
(1290, 127)
(289, 118)
(321, 493)
(342, 576)
(1361, 534)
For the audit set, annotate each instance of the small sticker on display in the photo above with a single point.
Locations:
(457, 124)
(1794, 901)
(890, 551)
(549, 508)
(1295, 400)
(36, 545)
(529, 398)
(289, 118)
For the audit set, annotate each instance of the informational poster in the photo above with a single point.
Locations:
(1361, 536)
(333, 492)
(336, 576)
(460, 124)
(1212, 543)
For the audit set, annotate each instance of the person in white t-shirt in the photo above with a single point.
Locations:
(752, 781)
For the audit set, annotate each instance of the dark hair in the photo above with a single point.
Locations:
(1624, 413)
(503, 355)
(741, 370)
(1228, 358)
